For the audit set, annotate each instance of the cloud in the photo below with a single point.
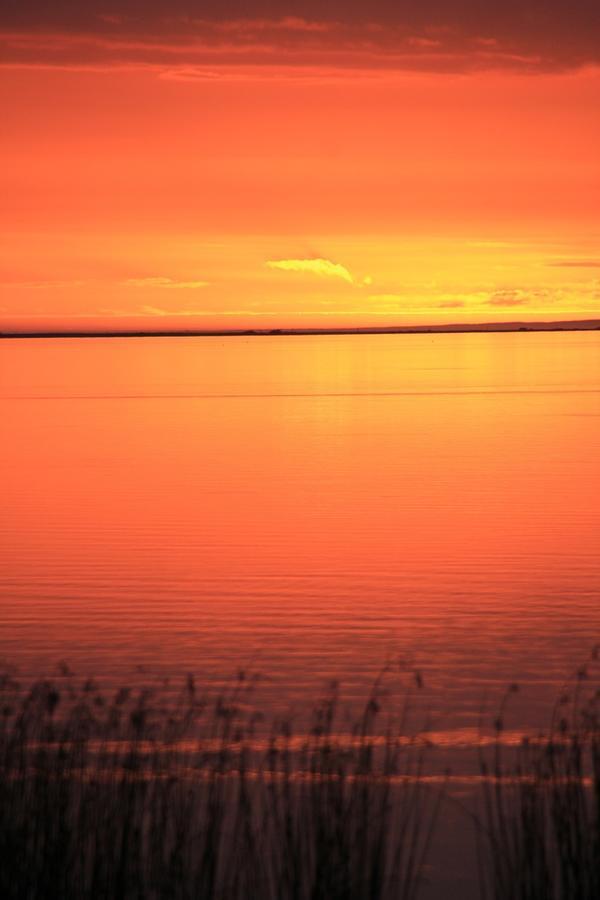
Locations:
(153, 311)
(508, 298)
(493, 245)
(388, 298)
(110, 18)
(451, 304)
(575, 263)
(147, 310)
(160, 282)
(316, 266)
(432, 35)
(44, 284)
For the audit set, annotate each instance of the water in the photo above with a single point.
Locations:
(308, 506)
(311, 507)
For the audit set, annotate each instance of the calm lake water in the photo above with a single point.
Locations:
(308, 506)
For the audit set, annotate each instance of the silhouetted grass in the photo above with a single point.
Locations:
(541, 805)
(150, 794)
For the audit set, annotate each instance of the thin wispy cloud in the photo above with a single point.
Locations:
(159, 311)
(148, 310)
(575, 263)
(318, 266)
(508, 298)
(169, 283)
(43, 284)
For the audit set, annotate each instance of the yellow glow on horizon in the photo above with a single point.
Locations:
(405, 198)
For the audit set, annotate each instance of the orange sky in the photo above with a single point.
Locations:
(295, 172)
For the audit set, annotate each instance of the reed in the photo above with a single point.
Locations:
(540, 825)
(148, 793)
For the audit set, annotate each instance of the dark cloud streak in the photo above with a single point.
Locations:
(431, 34)
(575, 264)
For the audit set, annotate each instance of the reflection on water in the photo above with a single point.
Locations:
(309, 506)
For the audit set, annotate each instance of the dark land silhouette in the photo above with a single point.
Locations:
(475, 328)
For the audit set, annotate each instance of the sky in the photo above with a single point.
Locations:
(259, 164)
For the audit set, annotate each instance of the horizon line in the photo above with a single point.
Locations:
(453, 328)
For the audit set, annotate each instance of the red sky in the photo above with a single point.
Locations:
(265, 164)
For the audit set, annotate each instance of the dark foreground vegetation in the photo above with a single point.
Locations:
(154, 793)
(539, 833)
(143, 794)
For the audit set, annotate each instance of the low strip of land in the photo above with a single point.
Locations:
(487, 327)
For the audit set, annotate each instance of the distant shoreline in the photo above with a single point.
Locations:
(484, 328)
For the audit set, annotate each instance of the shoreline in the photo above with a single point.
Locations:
(484, 328)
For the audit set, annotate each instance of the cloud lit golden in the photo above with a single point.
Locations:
(314, 266)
